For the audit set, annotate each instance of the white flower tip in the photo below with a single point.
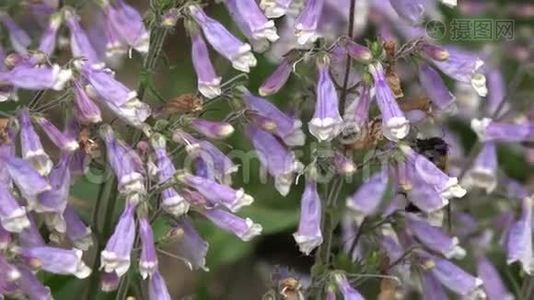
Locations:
(450, 3)
(478, 81)
(226, 130)
(82, 271)
(62, 76)
(396, 128)
(479, 126)
(242, 200)
(325, 129)
(307, 243)
(210, 90)
(252, 231)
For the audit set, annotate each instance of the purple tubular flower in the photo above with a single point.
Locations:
(464, 67)
(410, 10)
(47, 44)
(358, 52)
(432, 289)
(287, 128)
(245, 229)
(86, 110)
(348, 292)
(435, 88)
(64, 143)
(125, 162)
(171, 201)
(394, 125)
(10, 274)
(109, 281)
(55, 200)
(77, 232)
(255, 21)
(219, 166)
(218, 193)
(434, 52)
(275, 157)
(307, 23)
(211, 129)
(128, 24)
(107, 87)
(79, 42)
(275, 8)
(13, 217)
(452, 277)
(31, 237)
(26, 76)
(308, 236)
(357, 114)
(225, 43)
(5, 238)
(492, 282)
(116, 256)
(483, 173)
(31, 286)
(496, 91)
(209, 84)
(31, 147)
(191, 248)
(148, 262)
(490, 130)
(277, 79)
(519, 239)
(421, 194)
(326, 123)
(20, 40)
(57, 260)
(366, 200)
(157, 289)
(434, 238)
(447, 186)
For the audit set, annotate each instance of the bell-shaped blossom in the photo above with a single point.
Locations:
(308, 235)
(31, 286)
(13, 217)
(496, 91)
(519, 239)
(435, 88)
(492, 283)
(217, 193)
(410, 10)
(245, 229)
(307, 23)
(434, 238)
(57, 260)
(286, 127)
(453, 277)
(395, 126)
(357, 114)
(209, 84)
(76, 230)
(80, 44)
(64, 143)
(85, 109)
(326, 123)
(275, 157)
(31, 147)
(275, 8)
(277, 79)
(225, 43)
(116, 256)
(124, 161)
(26, 76)
(157, 289)
(171, 200)
(212, 129)
(255, 21)
(190, 246)
(148, 261)
(47, 44)
(20, 40)
(490, 130)
(483, 173)
(423, 168)
(432, 289)
(128, 24)
(464, 67)
(258, 40)
(348, 292)
(366, 200)
(107, 87)
(55, 200)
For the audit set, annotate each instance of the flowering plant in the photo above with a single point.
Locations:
(359, 175)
